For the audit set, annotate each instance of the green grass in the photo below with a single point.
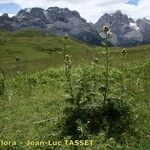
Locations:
(31, 112)
(35, 54)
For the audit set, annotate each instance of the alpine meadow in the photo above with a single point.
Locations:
(70, 84)
(56, 88)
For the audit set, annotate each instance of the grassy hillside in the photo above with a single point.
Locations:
(34, 98)
(40, 51)
(34, 52)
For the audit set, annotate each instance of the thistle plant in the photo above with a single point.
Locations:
(65, 40)
(79, 97)
(116, 112)
(68, 75)
(104, 89)
(95, 66)
(92, 109)
(70, 122)
(123, 57)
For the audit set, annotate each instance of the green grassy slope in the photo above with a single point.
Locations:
(34, 52)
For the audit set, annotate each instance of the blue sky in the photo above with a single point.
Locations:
(133, 2)
(10, 8)
(91, 10)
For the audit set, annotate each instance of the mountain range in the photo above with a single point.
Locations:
(125, 31)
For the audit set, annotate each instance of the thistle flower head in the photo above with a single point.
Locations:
(106, 29)
(66, 37)
(67, 57)
(18, 59)
(95, 60)
(124, 52)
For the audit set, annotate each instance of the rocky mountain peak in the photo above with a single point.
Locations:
(118, 12)
(50, 15)
(6, 22)
(5, 15)
(124, 29)
(30, 14)
(62, 13)
(5, 18)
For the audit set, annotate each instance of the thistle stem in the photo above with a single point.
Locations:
(68, 76)
(106, 68)
(4, 76)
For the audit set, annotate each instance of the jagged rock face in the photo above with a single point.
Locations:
(124, 30)
(54, 14)
(30, 18)
(63, 21)
(117, 22)
(30, 14)
(6, 22)
(144, 26)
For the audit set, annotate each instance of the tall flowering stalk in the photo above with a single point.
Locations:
(95, 65)
(68, 74)
(106, 31)
(65, 40)
(123, 56)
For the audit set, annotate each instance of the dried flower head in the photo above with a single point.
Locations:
(96, 60)
(66, 37)
(124, 52)
(67, 57)
(18, 59)
(106, 29)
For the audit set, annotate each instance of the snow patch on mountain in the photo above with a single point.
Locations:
(28, 10)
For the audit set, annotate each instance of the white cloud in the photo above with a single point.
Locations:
(91, 9)
(10, 15)
(5, 1)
